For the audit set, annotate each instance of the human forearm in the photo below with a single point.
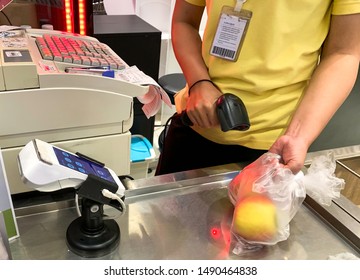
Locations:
(329, 87)
(186, 41)
(332, 81)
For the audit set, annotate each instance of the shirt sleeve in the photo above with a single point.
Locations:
(346, 7)
(197, 2)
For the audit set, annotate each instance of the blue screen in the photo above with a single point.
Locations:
(82, 165)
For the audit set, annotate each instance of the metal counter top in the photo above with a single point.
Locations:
(171, 217)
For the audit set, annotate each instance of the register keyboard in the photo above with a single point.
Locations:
(77, 51)
(36, 54)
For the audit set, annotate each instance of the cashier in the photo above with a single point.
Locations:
(292, 63)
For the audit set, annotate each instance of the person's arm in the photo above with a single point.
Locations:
(187, 46)
(328, 88)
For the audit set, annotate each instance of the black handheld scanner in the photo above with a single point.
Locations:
(231, 112)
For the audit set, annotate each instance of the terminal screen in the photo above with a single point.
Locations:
(82, 165)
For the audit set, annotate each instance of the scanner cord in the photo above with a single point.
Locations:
(114, 196)
(106, 193)
(77, 205)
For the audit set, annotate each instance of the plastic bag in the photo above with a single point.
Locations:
(266, 196)
(320, 181)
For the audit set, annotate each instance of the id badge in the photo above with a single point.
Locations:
(230, 33)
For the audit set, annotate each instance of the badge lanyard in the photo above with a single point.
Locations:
(239, 4)
(231, 30)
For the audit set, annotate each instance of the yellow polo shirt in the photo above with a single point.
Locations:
(278, 56)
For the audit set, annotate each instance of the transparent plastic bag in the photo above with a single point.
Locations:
(320, 180)
(266, 196)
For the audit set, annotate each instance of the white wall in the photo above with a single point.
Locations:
(158, 13)
(119, 7)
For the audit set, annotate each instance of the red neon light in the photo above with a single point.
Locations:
(68, 16)
(82, 14)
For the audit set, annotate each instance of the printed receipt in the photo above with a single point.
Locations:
(153, 98)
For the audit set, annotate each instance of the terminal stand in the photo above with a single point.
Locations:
(91, 236)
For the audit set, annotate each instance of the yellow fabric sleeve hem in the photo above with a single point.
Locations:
(347, 9)
(201, 3)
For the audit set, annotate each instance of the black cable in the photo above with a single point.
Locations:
(165, 130)
(7, 18)
(123, 177)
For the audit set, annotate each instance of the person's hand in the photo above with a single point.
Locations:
(292, 150)
(201, 104)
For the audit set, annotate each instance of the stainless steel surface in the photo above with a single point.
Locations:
(349, 170)
(339, 153)
(339, 218)
(171, 217)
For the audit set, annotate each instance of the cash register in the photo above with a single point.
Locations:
(42, 96)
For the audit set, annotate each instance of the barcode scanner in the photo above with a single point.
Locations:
(231, 112)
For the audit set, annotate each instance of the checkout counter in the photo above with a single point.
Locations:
(183, 215)
(187, 215)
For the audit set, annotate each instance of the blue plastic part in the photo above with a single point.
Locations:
(140, 149)
(109, 73)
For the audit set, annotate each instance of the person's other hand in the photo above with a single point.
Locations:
(292, 150)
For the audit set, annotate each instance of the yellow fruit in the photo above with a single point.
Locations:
(255, 218)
